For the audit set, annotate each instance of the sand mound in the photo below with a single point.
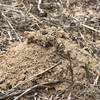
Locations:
(42, 50)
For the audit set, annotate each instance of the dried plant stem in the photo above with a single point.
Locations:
(70, 66)
(69, 96)
(10, 35)
(86, 26)
(96, 81)
(68, 3)
(43, 85)
(39, 3)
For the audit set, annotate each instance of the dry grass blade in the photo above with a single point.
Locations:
(69, 96)
(96, 81)
(86, 26)
(11, 95)
(11, 37)
(19, 93)
(39, 3)
(25, 92)
(43, 85)
(70, 66)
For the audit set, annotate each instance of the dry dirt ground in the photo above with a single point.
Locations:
(58, 55)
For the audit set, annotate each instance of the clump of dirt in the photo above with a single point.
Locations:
(42, 50)
(45, 37)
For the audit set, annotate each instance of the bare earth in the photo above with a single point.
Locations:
(60, 57)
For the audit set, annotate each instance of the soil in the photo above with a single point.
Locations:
(29, 62)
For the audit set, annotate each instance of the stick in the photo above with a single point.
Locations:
(39, 3)
(19, 93)
(11, 28)
(26, 91)
(70, 66)
(43, 85)
(69, 96)
(14, 93)
(89, 27)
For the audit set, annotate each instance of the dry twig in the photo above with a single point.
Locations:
(69, 96)
(43, 85)
(70, 66)
(19, 93)
(86, 26)
(39, 3)
(10, 35)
